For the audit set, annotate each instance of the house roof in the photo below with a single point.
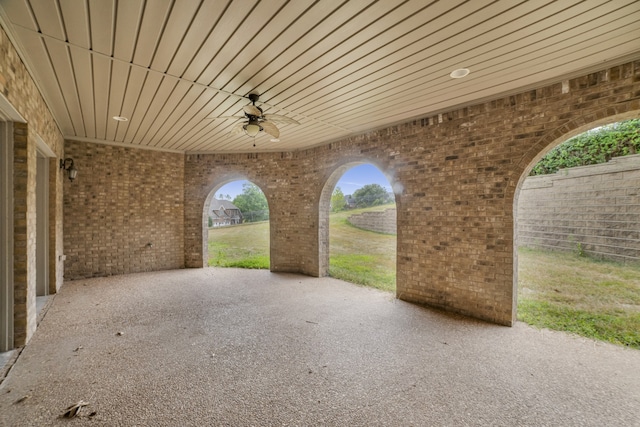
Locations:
(217, 204)
(174, 68)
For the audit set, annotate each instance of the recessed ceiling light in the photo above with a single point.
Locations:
(275, 140)
(459, 73)
(120, 118)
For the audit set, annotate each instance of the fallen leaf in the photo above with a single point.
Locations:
(73, 410)
(22, 399)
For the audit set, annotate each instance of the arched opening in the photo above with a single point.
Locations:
(237, 223)
(577, 235)
(358, 232)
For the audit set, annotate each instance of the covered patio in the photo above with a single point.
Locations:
(249, 347)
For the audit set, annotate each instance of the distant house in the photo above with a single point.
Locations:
(349, 201)
(223, 212)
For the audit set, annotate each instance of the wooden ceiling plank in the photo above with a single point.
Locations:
(75, 15)
(49, 19)
(153, 23)
(243, 42)
(177, 109)
(101, 25)
(227, 105)
(475, 63)
(368, 41)
(196, 59)
(502, 73)
(285, 42)
(133, 90)
(149, 89)
(19, 12)
(120, 74)
(61, 61)
(240, 62)
(181, 20)
(191, 116)
(101, 83)
(83, 72)
(160, 96)
(128, 18)
(45, 75)
(405, 53)
(168, 105)
(297, 55)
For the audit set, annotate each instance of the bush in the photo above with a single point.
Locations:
(592, 147)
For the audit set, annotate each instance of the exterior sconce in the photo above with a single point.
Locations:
(67, 164)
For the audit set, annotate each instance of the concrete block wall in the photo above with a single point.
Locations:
(37, 124)
(123, 200)
(597, 207)
(378, 221)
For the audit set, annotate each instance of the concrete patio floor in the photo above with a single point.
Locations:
(235, 347)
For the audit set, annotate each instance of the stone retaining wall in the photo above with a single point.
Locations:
(378, 221)
(595, 209)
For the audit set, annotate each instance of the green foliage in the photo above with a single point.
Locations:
(210, 222)
(592, 147)
(337, 200)
(252, 203)
(371, 195)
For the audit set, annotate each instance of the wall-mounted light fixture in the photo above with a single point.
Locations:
(67, 164)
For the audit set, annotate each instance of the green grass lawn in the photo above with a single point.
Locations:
(556, 290)
(360, 256)
(591, 298)
(243, 246)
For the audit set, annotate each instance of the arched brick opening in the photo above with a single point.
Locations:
(325, 202)
(207, 206)
(569, 130)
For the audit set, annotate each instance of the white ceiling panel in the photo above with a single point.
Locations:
(176, 68)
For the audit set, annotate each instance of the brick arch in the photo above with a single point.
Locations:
(334, 175)
(538, 150)
(231, 177)
(204, 174)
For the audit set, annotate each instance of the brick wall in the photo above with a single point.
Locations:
(596, 206)
(378, 221)
(455, 176)
(19, 90)
(122, 200)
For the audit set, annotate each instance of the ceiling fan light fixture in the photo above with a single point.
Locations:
(252, 128)
(459, 73)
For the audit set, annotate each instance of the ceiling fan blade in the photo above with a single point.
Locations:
(252, 110)
(271, 129)
(276, 118)
(237, 128)
(227, 118)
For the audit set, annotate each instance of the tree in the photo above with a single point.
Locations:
(371, 195)
(592, 147)
(337, 200)
(252, 203)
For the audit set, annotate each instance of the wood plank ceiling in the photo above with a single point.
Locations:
(173, 67)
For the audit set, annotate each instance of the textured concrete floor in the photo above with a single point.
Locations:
(252, 348)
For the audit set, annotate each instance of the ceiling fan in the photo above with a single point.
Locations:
(255, 121)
